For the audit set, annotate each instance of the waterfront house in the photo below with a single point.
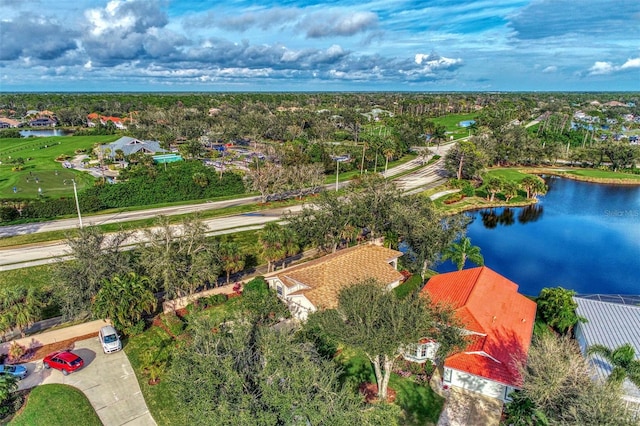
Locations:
(498, 322)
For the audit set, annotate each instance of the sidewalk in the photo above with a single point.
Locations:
(55, 336)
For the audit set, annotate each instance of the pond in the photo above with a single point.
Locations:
(41, 133)
(582, 236)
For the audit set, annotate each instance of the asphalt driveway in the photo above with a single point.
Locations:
(107, 380)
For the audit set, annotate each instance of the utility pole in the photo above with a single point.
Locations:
(75, 193)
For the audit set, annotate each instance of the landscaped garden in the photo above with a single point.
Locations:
(153, 351)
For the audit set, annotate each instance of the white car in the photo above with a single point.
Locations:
(109, 339)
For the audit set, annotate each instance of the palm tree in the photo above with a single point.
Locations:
(232, 258)
(622, 359)
(461, 251)
(270, 239)
(124, 299)
(20, 307)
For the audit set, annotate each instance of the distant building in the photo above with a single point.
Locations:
(129, 145)
(43, 122)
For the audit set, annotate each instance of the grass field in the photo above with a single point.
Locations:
(451, 123)
(40, 168)
(56, 404)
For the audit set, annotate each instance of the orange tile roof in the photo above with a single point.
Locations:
(490, 304)
(326, 276)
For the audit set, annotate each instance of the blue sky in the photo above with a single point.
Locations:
(291, 45)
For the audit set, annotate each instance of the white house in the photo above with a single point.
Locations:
(129, 145)
(498, 322)
(314, 285)
(612, 321)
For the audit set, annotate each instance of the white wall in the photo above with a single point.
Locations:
(476, 384)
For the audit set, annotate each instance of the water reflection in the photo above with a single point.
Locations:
(530, 213)
(491, 218)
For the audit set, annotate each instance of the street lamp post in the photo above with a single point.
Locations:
(337, 171)
(75, 193)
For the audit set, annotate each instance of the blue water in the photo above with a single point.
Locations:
(581, 236)
(42, 133)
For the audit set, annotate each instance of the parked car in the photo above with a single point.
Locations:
(65, 361)
(17, 370)
(109, 339)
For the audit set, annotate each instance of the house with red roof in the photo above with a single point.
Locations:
(498, 322)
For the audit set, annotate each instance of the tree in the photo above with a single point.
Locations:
(494, 185)
(245, 374)
(8, 385)
(231, 257)
(462, 250)
(557, 308)
(374, 320)
(324, 222)
(20, 307)
(276, 243)
(465, 160)
(558, 381)
(533, 185)
(124, 299)
(510, 190)
(95, 256)
(179, 258)
(622, 359)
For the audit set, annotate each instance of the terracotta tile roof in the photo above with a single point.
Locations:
(487, 303)
(326, 276)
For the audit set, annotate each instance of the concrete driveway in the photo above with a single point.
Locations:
(466, 408)
(108, 381)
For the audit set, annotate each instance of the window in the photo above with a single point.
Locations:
(423, 351)
(447, 375)
(279, 289)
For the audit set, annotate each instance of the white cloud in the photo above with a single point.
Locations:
(601, 68)
(550, 69)
(631, 63)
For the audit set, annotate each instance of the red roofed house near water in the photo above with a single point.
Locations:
(499, 324)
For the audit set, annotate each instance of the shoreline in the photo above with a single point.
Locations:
(564, 172)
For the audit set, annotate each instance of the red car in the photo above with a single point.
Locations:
(65, 361)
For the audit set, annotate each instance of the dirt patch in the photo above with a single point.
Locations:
(370, 392)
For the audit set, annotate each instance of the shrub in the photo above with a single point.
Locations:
(16, 352)
(8, 214)
(215, 300)
(454, 198)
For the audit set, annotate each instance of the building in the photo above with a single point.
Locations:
(315, 285)
(612, 321)
(129, 145)
(498, 322)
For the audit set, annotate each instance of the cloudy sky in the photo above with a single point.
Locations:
(310, 45)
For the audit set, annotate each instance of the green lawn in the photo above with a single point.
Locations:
(56, 404)
(514, 175)
(451, 122)
(39, 155)
(602, 174)
(421, 405)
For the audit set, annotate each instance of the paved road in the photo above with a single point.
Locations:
(44, 253)
(57, 225)
(108, 381)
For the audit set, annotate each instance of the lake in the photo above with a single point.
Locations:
(582, 236)
(43, 133)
